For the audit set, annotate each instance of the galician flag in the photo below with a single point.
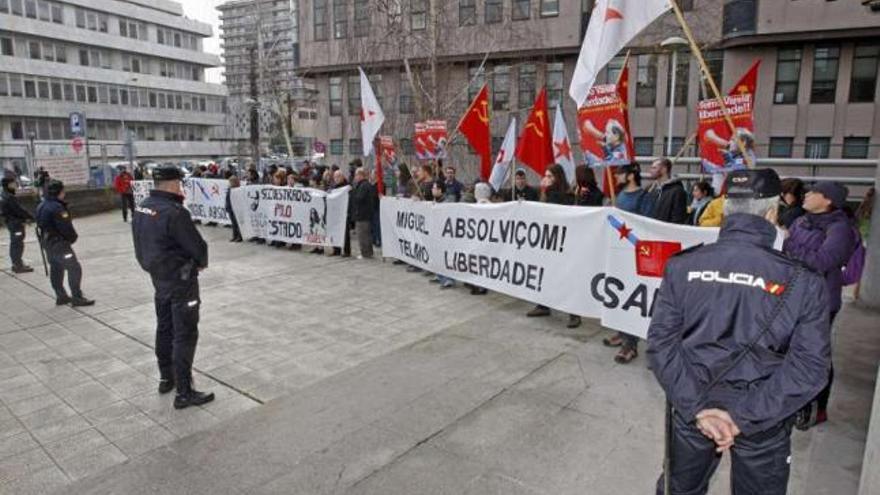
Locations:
(371, 115)
(613, 24)
(562, 146)
(500, 170)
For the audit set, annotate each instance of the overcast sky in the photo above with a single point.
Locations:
(206, 11)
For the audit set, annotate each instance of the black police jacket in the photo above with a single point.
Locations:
(12, 211)
(54, 221)
(711, 305)
(166, 242)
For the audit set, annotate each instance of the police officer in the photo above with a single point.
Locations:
(739, 341)
(58, 235)
(15, 217)
(172, 251)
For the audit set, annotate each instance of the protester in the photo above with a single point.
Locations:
(15, 217)
(376, 220)
(426, 182)
(667, 194)
(863, 214)
(279, 179)
(483, 195)
(252, 177)
(440, 194)
(197, 173)
(406, 186)
(555, 190)
(587, 192)
(454, 188)
(339, 181)
(824, 239)
(122, 184)
(41, 181)
(234, 183)
(737, 360)
(632, 198)
(713, 213)
(701, 195)
(791, 204)
(363, 203)
(522, 191)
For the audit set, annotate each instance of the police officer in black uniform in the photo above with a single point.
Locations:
(15, 217)
(172, 251)
(739, 341)
(58, 235)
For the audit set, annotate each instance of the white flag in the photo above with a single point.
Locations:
(371, 115)
(562, 146)
(613, 24)
(505, 156)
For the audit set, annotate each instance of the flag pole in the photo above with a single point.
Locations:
(708, 77)
(611, 185)
(512, 166)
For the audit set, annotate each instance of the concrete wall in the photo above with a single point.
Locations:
(870, 482)
(780, 16)
(82, 202)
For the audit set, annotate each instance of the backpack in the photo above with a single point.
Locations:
(852, 270)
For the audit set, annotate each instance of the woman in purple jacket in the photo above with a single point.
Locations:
(824, 239)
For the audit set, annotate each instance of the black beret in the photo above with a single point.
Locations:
(756, 184)
(167, 173)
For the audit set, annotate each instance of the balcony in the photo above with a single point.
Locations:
(740, 18)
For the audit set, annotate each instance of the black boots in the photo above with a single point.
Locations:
(81, 301)
(166, 385)
(192, 398)
(22, 269)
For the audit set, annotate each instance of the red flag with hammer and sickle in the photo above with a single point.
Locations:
(535, 144)
(474, 125)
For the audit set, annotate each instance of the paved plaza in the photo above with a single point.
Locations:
(337, 375)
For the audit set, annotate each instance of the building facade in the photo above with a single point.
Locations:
(817, 89)
(132, 66)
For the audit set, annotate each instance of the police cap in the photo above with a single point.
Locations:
(54, 187)
(755, 184)
(167, 173)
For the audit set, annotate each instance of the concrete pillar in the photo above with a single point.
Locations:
(870, 482)
(869, 292)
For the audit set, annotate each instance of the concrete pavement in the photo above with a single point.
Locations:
(346, 376)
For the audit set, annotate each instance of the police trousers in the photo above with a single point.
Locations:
(62, 259)
(177, 329)
(760, 463)
(16, 243)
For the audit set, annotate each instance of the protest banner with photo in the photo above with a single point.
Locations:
(141, 190)
(206, 199)
(388, 153)
(596, 262)
(603, 128)
(719, 152)
(430, 140)
(70, 169)
(295, 215)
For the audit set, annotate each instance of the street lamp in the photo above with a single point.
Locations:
(673, 42)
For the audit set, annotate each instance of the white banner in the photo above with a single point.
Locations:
(70, 169)
(294, 215)
(206, 199)
(598, 262)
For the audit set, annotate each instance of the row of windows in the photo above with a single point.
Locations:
(41, 49)
(417, 14)
(23, 86)
(105, 130)
(34, 9)
(826, 61)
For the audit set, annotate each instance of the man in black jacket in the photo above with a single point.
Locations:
(363, 204)
(667, 194)
(15, 217)
(172, 251)
(339, 181)
(56, 228)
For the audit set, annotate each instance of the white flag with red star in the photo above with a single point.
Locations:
(562, 146)
(613, 23)
(371, 115)
(501, 167)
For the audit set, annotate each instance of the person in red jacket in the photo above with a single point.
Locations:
(122, 184)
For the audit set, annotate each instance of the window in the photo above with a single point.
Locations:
(48, 51)
(643, 146)
(855, 147)
(4, 85)
(43, 10)
(715, 62)
(102, 23)
(162, 100)
(361, 18)
(405, 93)
(43, 89)
(549, 8)
(30, 89)
(682, 70)
(135, 64)
(677, 143)
(160, 36)
(354, 95)
(521, 10)
(57, 14)
(34, 49)
(92, 21)
(320, 24)
(335, 146)
(526, 85)
(30, 8)
(501, 88)
(16, 7)
(4, 6)
(17, 130)
(80, 18)
(94, 58)
(612, 70)
(494, 11)
(340, 19)
(123, 96)
(61, 53)
(864, 73)
(335, 96)
(788, 73)
(418, 15)
(467, 12)
(68, 92)
(780, 147)
(355, 147)
(56, 91)
(817, 147)
(825, 63)
(555, 86)
(14, 85)
(6, 47)
(123, 26)
(476, 78)
(646, 80)
(93, 94)
(103, 94)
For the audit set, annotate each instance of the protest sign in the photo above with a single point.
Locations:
(602, 125)
(719, 152)
(430, 140)
(141, 190)
(70, 169)
(295, 215)
(596, 262)
(206, 199)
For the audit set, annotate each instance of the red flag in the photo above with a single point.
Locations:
(622, 89)
(380, 180)
(535, 146)
(748, 83)
(474, 125)
(651, 256)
